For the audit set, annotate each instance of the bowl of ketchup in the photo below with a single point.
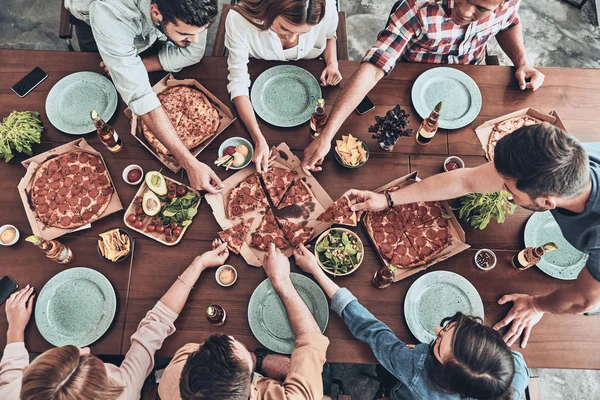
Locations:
(133, 174)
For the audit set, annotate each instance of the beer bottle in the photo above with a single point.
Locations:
(215, 314)
(384, 276)
(54, 250)
(318, 119)
(530, 256)
(107, 134)
(429, 126)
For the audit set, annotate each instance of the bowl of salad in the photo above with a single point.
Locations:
(339, 251)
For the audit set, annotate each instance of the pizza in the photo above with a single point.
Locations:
(268, 232)
(295, 233)
(426, 242)
(246, 197)
(236, 235)
(277, 181)
(299, 192)
(421, 212)
(505, 127)
(405, 255)
(71, 190)
(339, 213)
(192, 115)
(385, 233)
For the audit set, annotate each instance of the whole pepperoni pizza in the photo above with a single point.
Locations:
(71, 190)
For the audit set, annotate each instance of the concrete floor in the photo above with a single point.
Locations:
(556, 35)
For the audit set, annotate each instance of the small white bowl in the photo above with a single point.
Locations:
(457, 160)
(17, 236)
(492, 262)
(235, 142)
(222, 267)
(130, 168)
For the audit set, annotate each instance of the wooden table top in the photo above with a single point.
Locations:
(557, 341)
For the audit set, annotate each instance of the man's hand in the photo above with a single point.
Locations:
(535, 77)
(262, 156)
(315, 153)
(331, 75)
(277, 267)
(364, 200)
(213, 258)
(202, 177)
(523, 315)
(19, 307)
(306, 260)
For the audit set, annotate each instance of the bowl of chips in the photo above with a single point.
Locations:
(114, 245)
(351, 152)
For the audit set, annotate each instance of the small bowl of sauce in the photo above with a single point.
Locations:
(453, 163)
(9, 235)
(226, 275)
(133, 174)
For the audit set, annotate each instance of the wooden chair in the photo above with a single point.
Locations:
(219, 49)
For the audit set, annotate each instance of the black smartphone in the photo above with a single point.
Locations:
(29, 82)
(7, 287)
(365, 106)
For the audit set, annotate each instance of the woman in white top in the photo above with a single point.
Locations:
(277, 30)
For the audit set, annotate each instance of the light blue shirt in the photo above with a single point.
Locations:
(122, 30)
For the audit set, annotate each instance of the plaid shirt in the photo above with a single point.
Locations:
(423, 31)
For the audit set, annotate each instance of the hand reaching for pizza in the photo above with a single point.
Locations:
(202, 177)
(263, 156)
(314, 154)
(536, 78)
(306, 260)
(364, 200)
(277, 267)
(213, 258)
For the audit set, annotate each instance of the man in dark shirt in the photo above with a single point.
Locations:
(544, 168)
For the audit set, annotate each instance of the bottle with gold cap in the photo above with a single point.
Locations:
(384, 276)
(429, 126)
(318, 119)
(107, 134)
(54, 250)
(530, 256)
(215, 314)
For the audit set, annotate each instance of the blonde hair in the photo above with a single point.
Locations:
(63, 374)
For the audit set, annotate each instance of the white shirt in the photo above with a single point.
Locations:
(244, 40)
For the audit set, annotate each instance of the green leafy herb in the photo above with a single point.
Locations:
(478, 209)
(180, 209)
(18, 132)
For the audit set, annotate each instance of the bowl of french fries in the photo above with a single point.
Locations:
(351, 152)
(114, 245)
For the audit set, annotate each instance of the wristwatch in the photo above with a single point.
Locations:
(260, 354)
(390, 202)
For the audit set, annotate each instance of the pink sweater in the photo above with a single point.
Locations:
(138, 362)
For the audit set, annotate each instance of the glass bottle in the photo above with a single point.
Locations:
(429, 126)
(318, 119)
(530, 256)
(384, 276)
(107, 134)
(215, 314)
(54, 250)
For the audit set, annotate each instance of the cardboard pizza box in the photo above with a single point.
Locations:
(24, 187)
(225, 115)
(284, 159)
(458, 234)
(484, 130)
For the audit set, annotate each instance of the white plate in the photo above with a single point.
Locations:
(435, 296)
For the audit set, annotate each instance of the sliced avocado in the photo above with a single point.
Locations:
(156, 183)
(150, 203)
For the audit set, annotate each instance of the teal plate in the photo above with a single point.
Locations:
(268, 318)
(435, 296)
(460, 94)
(70, 101)
(76, 307)
(565, 263)
(285, 95)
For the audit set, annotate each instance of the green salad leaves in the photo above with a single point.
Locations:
(339, 252)
(180, 209)
(18, 132)
(478, 209)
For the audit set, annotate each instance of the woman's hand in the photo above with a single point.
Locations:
(213, 258)
(306, 260)
(262, 156)
(19, 307)
(331, 75)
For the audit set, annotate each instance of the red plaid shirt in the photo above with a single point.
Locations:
(423, 31)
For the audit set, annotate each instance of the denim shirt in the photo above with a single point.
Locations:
(123, 29)
(407, 365)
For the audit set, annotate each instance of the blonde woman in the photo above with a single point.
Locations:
(70, 373)
(280, 30)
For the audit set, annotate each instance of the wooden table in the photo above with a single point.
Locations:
(557, 341)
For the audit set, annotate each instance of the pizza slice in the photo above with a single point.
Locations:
(277, 181)
(405, 255)
(439, 227)
(246, 197)
(299, 192)
(428, 241)
(268, 232)
(295, 233)
(236, 235)
(416, 214)
(340, 213)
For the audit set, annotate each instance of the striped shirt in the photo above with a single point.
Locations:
(423, 31)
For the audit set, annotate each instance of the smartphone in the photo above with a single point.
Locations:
(29, 82)
(7, 287)
(365, 106)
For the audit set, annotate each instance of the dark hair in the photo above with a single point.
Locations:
(192, 12)
(482, 365)
(262, 13)
(214, 372)
(544, 160)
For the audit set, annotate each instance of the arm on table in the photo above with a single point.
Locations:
(331, 74)
(261, 150)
